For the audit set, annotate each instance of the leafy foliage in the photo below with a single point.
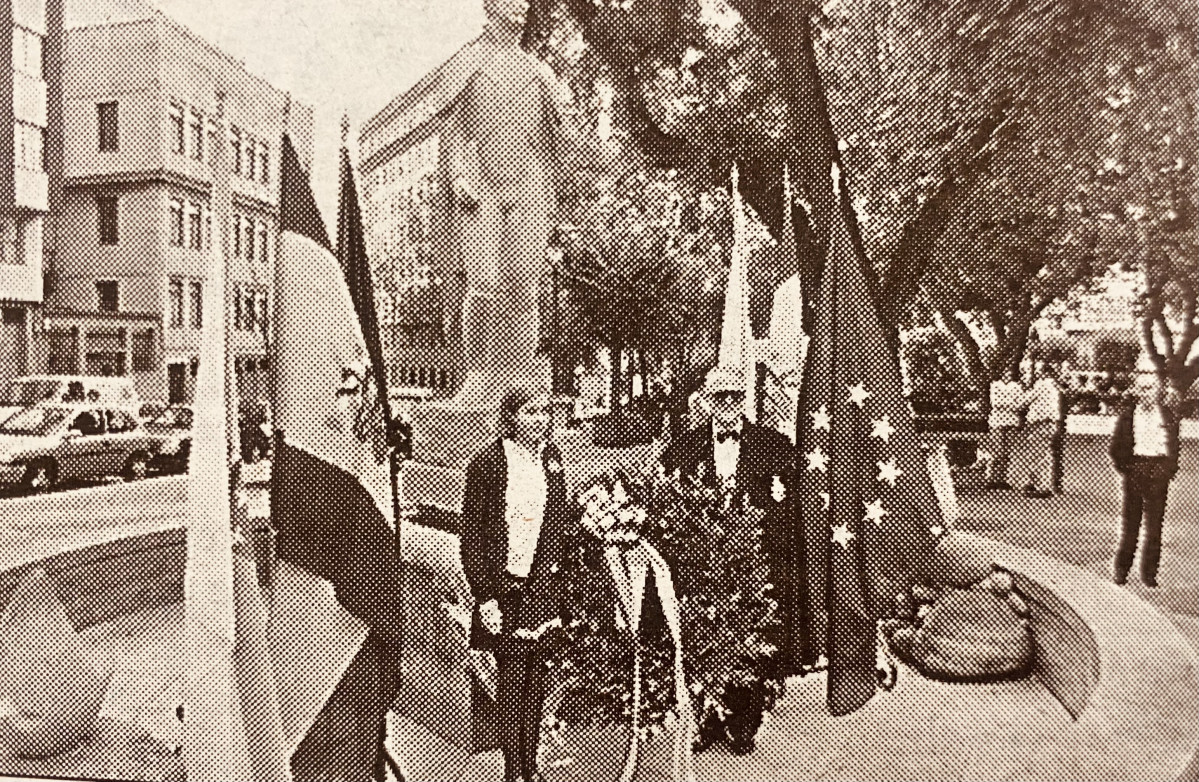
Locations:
(642, 265)
(1001, 156)
(712, 542)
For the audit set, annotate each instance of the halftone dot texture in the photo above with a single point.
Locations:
(986, 153)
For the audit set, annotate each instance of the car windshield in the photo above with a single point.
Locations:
(22, 393)
(174, 418)
(36, 421)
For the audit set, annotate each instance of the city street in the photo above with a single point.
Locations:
(1081, 526)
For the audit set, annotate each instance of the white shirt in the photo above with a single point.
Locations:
(726, 454)
(1006, 396)
(1148, 432)
(1045, 401)
(524, 505)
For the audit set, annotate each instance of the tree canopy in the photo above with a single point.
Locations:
(998, 155)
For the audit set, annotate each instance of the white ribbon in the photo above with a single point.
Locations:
(629, 570)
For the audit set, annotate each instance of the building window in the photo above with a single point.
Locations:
(264, 162)
(106, 295)
(212, 141)
(249, 241)
(251, 310)
(193, 227)
(197, 296)
(236, 236)
(263, 313)
(107, 115)
(262, 255)
(105, 353)
(175, 294)
(207, 227)
(62, 354)
(176, 222)
(106, 206)
(29, 142)
(142, 348)
(27, 52)
(177, 138)
(197, 136)
(236, 151)
(237, 308)
(251, 160)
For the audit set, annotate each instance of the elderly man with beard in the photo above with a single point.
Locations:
(733, 454)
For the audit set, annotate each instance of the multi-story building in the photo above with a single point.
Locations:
(405, 206)
(126, 296)
(31, 168)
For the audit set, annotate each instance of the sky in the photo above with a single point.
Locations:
(338, 56)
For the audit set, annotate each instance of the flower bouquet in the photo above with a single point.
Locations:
(728, 614)
(623, 658)
(613, 506)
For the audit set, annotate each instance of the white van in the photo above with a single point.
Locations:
(23, 392)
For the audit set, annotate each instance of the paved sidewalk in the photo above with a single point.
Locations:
(1082, 525)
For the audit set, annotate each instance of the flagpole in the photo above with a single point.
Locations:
(221, 203)
(273, 342)
(273, 357)
(390, 661)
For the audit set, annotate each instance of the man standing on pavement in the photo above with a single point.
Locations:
(1144, 450)
(1044, 418)
(1007, 397)
(732, 454)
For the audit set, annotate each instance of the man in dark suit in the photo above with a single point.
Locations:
(516, 527)
(732, 453)
(1144, 449)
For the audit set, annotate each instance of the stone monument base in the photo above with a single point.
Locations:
(448, 434)
(432, 486)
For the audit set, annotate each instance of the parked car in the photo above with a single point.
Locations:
(172, 431)
(43, 445)
(23, 392)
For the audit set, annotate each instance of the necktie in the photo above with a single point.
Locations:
(722, 436)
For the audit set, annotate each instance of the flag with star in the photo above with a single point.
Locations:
(868, 514)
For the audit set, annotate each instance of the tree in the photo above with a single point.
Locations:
(1151, 191)
(640, 267)
(977, 142)
(934, 102)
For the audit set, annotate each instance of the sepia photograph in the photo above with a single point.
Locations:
(600, 391)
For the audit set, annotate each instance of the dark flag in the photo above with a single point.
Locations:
(331, 496)
(355, 263)
(869, 518)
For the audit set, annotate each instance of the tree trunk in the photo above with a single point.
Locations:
(615, 352)
(1014, 344)
(961, 335)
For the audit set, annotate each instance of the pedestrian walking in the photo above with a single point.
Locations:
(1007, 398)
(1144, 450)
(1057, 445)
(1044, 401)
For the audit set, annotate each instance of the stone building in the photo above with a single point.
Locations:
(125, 294)
(31, 194)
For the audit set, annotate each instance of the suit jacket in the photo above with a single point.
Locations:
(484, 540)
(765, 464)
(1124, 440)
(765, 454)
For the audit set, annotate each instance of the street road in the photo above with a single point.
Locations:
(36, 526)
